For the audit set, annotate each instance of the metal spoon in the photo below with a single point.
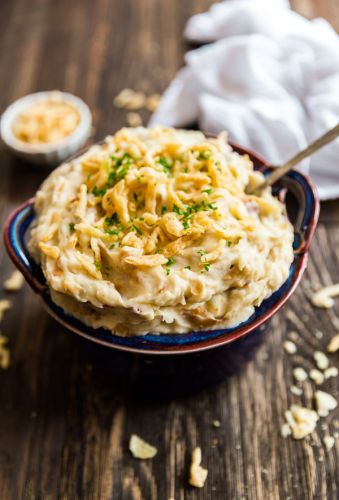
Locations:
(278, 172)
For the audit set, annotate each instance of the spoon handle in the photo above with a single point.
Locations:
(312, 148)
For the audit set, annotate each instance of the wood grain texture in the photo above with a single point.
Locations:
(64, 422)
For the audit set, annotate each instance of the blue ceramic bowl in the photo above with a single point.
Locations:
(303, 209)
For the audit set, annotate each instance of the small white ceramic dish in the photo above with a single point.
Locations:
(46, 154)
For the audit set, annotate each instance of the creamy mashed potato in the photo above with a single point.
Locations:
(154, 231)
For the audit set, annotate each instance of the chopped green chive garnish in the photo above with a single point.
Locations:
(178, 210)
(204, 155)
(202, 252)
(185, 224)
(163, 210)
(110, 220)
(212, 207)
(98, 192)
(208, 191)
(188, 267)
(229, 243)
(72, 227)
(166, 166)
(135, 228)
(169, 263)
(207, 267)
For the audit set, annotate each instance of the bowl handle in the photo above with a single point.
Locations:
(14, 236)
(305, 192)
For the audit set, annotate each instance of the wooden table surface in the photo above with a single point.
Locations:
(64, 426)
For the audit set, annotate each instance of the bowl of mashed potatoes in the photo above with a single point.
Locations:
(153, 241)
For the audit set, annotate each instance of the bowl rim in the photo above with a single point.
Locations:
(12, 111)
(225, 337)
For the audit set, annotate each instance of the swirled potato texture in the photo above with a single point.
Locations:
(154, 231)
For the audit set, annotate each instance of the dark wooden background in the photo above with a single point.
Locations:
(64, 425)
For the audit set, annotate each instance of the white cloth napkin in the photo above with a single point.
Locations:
(270, 78)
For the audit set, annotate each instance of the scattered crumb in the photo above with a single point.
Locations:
(336, 434)
(4, 353)
(317, 376)
(332, 371)
(296, 390)
(285, 430)
(323, 297)
(133, 119)
(198, 474)
(293, 336)
(264, 471)
(238, 447)
(290, 347)
(216, 423)
(14, 282)
(333, 345)
(321, 360)
(301, 421)
(153, 102)
(299, 374)
(324, 403)
(140, 449)
(133, 100)
(215, 442)
(130, 99)
(4, 306)
(328, 442)
(318, 334)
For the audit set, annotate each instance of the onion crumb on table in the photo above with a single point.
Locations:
(198, 474)
(5, 305)
(321, 360)
(329, 442)
(332, 371)
(140, 448)
(301, 421)
(133, 119)
(297, 391)
(323, 298)
(333, 345)
(4, 353)
(290, 347)
(317, 376)
(299, 374)
(324, 403)
(133, 100)
(14, 282)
